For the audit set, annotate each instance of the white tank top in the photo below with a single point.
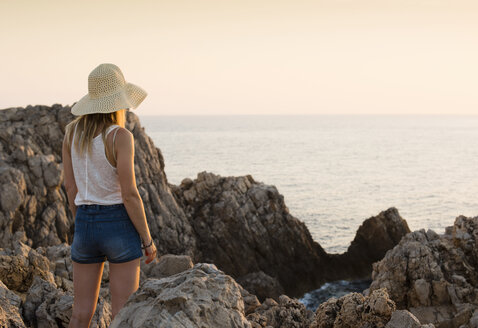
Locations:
(96, 179)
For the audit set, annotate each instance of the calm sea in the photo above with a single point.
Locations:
(335, 171)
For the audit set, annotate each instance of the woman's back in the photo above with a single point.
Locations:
(96, 179)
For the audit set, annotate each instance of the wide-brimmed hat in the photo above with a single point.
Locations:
(108, 92)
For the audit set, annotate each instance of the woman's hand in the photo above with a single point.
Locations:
(150, 252)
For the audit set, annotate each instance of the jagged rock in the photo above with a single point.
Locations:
(355, 310)
(199, 297)
(404, 319)
(434, 276)
(287, 313)
(18, 266)
(374, 238)
(48, 306)
(10, 308)
(244, 226)
(261, 285)
(167, 265)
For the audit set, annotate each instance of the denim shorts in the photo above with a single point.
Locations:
(104, 232)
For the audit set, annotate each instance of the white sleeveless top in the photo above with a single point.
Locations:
(96, 179)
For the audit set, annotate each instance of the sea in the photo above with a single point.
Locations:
(335, 171)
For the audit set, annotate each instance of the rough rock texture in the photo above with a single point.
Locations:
(32, 195)
(244, 226)
(199, 297)
(48, 306)
(374, 238)
(404, 319)
(354, 310)
(287, 313)
(167, 265)
(261, 285)
(18, 266)
(10, 308)
(434, 276)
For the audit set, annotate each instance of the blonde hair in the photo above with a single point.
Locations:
(87, 125)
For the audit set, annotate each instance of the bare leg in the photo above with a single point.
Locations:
(86, 285)
(124, 281)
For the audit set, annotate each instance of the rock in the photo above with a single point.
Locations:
(261, 285)
(374, 238)
(20, 265)
(48, 306)
(10, 308)
(283, 314)
(199, 297)
(244, 227)
(435, 277)
(355, 310)
(404, 319)
(168, 265)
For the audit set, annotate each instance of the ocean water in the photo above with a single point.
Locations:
(335, 171)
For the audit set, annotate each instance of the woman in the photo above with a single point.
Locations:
(110, 222)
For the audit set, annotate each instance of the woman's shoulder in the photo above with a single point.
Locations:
(123, 135)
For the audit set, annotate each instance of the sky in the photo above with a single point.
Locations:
(220, 57)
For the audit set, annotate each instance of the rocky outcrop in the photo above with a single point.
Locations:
(373, 239)
(199, 297)
(433, 276)
(10, 308)
(245, 228)
(46, 305)
(241, 225)
(355, 310)
(287, 312)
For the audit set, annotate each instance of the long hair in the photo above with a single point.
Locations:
(87, 125)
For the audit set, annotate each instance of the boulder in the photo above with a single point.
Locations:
(202, 296)
(10, 308)
(285, 313)
(355, 310)
(48, 306)
(433, 276)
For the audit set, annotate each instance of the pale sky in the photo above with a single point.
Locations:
(204, 57)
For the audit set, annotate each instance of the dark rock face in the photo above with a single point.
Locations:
(241, 225)
(245, 227)
(374, 238)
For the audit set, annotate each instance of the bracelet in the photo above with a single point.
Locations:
(144, 246)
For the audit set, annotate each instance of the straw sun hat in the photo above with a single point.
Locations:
(108, 92)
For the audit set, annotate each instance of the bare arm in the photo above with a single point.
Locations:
(129, 192)
(70, 184)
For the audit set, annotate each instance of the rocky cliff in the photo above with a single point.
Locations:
(241, 225)
(434, 276)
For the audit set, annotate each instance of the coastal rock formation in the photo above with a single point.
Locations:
(373, 239)
(286, 312)
(241, 225)
(199, 297)
(244, 227)
(355, 310)
(433, 276)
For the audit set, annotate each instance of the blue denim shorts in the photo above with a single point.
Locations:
(104, 232)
